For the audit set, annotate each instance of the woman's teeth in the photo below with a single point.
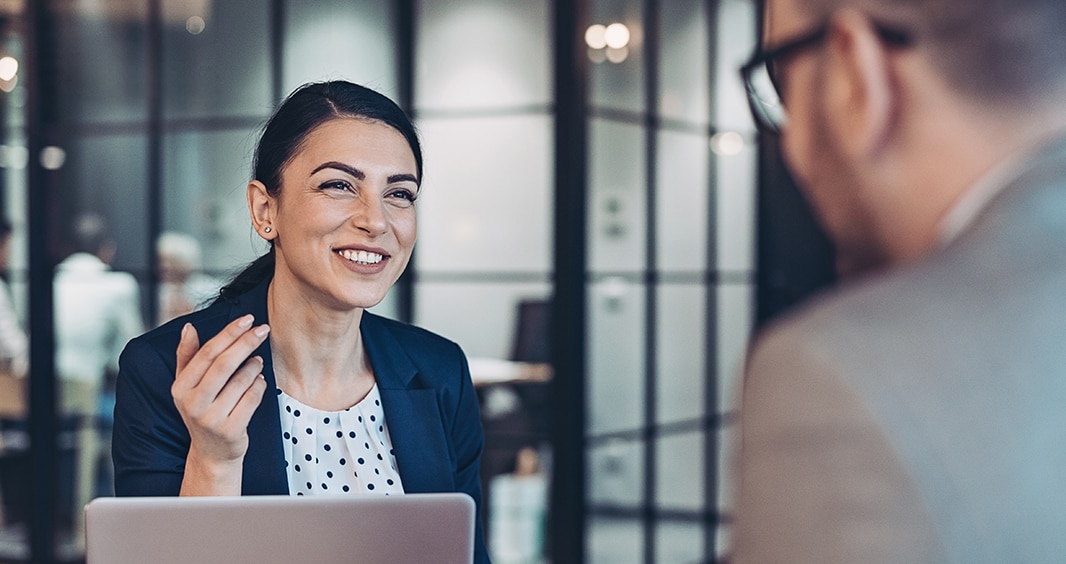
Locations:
(361, 257)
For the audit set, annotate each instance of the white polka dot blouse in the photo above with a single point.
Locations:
(338, 452)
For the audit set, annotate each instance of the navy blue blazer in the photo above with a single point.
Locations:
(430, 406)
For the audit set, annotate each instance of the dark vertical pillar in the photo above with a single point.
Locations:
(154, 200)
(41, 125)
(405, 64)
(710, 328)
(569, 319)
(652, 53)
(277, 50)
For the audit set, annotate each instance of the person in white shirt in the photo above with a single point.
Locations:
(97, 311)
(183, 286)
(13, 343)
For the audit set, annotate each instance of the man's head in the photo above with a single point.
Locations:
(895, 107)
(90, 235)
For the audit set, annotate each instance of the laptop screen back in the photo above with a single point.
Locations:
(321, 529)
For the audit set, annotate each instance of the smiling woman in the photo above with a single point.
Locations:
(285, 384)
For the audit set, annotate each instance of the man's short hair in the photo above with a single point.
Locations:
(997, 51)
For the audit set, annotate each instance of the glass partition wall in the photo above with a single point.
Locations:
(670, 273)
(153, 110)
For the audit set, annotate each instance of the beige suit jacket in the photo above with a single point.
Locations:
(919, 415)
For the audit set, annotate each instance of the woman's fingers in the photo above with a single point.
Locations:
(187, 345)
(237, 385)
(250, 400)
(212, 364)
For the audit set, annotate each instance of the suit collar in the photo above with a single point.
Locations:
(393, 368)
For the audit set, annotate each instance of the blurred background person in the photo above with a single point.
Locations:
(183, 286)
(97, 311)
(13, 344)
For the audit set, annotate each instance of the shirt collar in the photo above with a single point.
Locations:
(979, 195)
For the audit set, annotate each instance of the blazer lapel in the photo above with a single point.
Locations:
(412, 413)
(264, 463)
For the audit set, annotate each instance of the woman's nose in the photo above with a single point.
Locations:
(370, 215)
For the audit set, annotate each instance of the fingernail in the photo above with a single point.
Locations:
(185, 330)
(262, 330)
(245, 322)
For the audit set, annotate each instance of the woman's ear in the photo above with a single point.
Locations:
(860, 87)
(262, 207)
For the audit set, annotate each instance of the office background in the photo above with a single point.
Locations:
(609, 175)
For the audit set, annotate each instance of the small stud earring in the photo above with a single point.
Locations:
(266, 229)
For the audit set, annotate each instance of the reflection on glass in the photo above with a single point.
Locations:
(195, 25)
(616, 35)
(596, 36)
(727, 143)
(9, 66)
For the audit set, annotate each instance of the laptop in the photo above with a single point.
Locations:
(437, 527)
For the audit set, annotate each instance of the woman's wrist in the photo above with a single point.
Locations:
(204, 477)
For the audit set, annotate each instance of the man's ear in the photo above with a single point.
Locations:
(860, 91)
(262, 207)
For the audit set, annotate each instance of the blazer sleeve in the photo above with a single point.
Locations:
(150, 441)
(819, 480)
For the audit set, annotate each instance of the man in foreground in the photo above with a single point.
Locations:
(916, 413)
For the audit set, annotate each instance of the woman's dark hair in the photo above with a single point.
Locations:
(306, 108)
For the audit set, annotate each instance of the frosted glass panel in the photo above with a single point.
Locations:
(683, 195)
(485, 203)
(679, 543)
(616, 352)
(680, 374)
(735, 42)
(331, 39)
(617, 76)
(616, 473)
(222, 71)
(204, 180)
(736, 313)
(736, 210)
(108, 175)
(684, 66)
(480, 316)
(728, 443)
(102, 56)
(617, 207)
(482, 54)
(679, 475)
(614, 541)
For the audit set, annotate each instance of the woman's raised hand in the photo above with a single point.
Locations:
(216, 389)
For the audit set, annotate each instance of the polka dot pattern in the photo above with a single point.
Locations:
(319, 463)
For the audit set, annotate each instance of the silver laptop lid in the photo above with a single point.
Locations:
(322, 529)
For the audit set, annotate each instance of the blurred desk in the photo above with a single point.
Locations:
(516, 415)
(487, 371)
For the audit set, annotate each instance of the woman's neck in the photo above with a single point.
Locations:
(317, 353)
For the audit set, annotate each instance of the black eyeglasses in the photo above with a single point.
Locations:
(765, 85)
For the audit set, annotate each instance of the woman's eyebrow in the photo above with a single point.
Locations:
(341, 167)
(360, 175)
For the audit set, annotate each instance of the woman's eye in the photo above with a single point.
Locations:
(336, 185)
(403, 195)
